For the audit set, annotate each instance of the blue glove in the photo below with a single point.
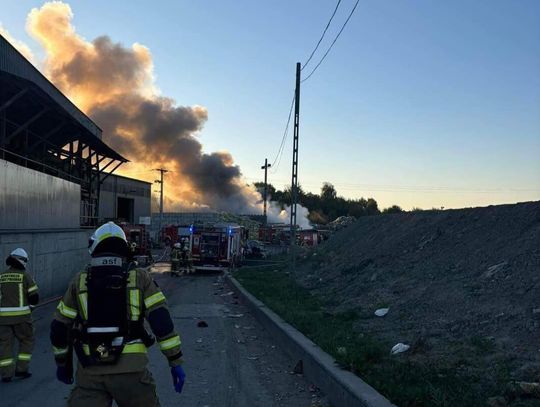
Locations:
(63, 376)
(179, 377)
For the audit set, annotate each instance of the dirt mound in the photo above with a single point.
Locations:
(459, 283)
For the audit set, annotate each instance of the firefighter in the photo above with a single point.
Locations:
(176, 254)
(18, 292)
(185, 255)
(133, 250)
(101, 318)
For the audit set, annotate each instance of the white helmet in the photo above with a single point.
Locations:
(177, 245)
(108, 238)
(20, 256)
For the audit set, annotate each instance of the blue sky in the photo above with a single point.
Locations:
(420, 103)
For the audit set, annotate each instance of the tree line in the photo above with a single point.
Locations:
(326, 206)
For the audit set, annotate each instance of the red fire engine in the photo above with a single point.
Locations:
(139, 241)
(217, 247)
(211, 247)
(309, 237)
(275, 233)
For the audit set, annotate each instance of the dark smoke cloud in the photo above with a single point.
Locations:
(108, 63)
(165, 133)
(114, 85)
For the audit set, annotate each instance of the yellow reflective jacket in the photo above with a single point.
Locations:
(15, 288)
(175, 254)
(144, 297)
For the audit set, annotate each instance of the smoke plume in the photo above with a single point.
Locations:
(278, 215)
(115, 86)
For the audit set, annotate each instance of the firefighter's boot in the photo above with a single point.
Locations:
(174, 265)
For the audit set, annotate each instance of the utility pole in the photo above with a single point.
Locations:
(160, 181)
(294, 182)
(265, 196)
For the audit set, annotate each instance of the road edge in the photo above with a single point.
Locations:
(343, 388)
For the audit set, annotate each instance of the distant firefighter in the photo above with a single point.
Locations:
(181, 258)
(185, 256)
(176, 254)
(18, 292)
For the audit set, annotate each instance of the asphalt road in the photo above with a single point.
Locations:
(232, 362)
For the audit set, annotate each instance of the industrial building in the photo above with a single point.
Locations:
(125, 199)
(53, 165)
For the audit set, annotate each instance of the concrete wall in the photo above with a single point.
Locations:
(54, 256)
(116, 186)
(40, 213)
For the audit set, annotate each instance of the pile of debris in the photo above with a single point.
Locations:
(251, 225)
(463, 283)
(341, 222)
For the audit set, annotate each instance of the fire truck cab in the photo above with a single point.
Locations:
(217, 247)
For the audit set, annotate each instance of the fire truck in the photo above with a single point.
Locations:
(212, 247)
(278, 233)
(217, 247)
(309, 237)
(139, 241)
(172, 234)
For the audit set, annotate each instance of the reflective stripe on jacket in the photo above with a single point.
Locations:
(15, 287)
(175, 254)
(144, 297)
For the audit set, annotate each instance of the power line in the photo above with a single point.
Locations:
(322, 36)
(333, 42)
(283, 139)
(275, 169)
(277, 160)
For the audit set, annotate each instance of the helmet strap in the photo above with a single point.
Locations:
(15, 263)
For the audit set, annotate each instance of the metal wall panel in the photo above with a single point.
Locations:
(115, 187)
(33, 200)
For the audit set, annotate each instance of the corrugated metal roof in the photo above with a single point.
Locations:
(123, 177)
(11, 61)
